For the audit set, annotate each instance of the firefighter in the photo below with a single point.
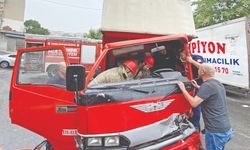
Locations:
(124, 72)
(144, 67)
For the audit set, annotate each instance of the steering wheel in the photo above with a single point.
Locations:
(157, 72)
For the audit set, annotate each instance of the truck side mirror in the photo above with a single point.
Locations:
(75, 77)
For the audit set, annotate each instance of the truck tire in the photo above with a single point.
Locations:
(44, 145)
(4, 64)
(51, 70)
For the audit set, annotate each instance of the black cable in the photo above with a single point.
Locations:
(69, 5)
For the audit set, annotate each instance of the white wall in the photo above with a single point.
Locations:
(14, 24)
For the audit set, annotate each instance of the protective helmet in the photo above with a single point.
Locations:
(149, 60)
(131, 65)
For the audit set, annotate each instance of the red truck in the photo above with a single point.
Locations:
(138, 114)
(80, 51)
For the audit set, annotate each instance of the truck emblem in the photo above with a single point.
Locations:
(65, 109)
(152, 107)
(69, 132)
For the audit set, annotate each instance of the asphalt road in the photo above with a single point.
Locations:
(239, 111)
(13, 137)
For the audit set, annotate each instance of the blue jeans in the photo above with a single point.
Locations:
(217, 140)
(196, 117)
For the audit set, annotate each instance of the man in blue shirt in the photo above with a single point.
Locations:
(60, 76)
(195, 119)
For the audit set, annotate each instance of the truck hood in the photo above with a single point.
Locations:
(124, 106)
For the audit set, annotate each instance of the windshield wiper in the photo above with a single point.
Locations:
(119, 87)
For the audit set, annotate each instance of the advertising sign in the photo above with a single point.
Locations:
(226, 46)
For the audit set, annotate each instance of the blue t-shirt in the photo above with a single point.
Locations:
(57, 80)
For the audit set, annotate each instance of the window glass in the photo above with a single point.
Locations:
(88, 54)
(42, 68)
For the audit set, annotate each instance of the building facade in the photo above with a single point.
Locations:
(11, 24)
(11, 41)
(12, 15)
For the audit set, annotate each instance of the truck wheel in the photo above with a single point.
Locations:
(4, 64)
(51, 70)
(44, 145)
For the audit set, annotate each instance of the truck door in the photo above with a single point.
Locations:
(40, 103)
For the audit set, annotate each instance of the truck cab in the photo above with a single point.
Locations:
(147, 113)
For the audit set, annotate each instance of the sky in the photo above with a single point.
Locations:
(75, 16)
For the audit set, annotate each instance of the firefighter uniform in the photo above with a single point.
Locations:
(144, 68)
(111, 75)
(141, 74)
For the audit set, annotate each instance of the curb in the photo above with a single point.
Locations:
(243, 101)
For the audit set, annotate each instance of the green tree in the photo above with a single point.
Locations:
(94, 34)
(34, 27)
(208, 12)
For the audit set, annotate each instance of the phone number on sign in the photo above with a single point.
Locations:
(222, 70)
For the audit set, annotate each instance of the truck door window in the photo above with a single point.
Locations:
(88, 54)
(33, 68)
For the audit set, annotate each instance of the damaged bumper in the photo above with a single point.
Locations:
(185, 141)
(171, 133)
(176, 132)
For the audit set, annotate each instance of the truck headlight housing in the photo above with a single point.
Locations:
(112, 141)
(101, 141)
(94, 141)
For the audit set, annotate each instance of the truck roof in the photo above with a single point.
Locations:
(60, 38)
(161, 17)
(148, 40)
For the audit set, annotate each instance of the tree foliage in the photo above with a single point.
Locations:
(210, 12)
(34, 27)
(94, 34)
